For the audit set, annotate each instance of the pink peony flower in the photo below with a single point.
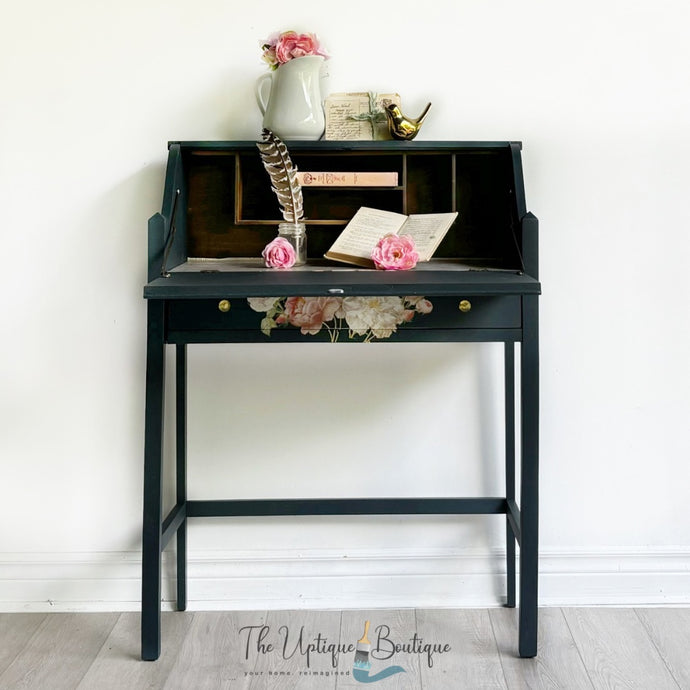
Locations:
(281, 48)
(395, 253)
(279, 254)
(310, 313)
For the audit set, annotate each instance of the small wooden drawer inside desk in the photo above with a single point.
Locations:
(344, 319)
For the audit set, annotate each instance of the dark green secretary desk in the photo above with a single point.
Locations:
(483, 284)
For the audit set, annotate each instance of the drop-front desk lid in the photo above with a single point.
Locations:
(208, 279)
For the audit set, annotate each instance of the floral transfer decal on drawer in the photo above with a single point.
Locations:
(362, 318)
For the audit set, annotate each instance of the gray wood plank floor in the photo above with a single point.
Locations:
(439, 649)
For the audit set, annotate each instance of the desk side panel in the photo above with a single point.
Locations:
(167, 241)
(530, 245)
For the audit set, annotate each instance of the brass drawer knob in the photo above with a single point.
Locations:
(465, 305)
(224, 305)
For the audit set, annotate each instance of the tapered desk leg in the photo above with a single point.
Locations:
(153, 461)
(181, 472)
(509, 357)
(529, 480)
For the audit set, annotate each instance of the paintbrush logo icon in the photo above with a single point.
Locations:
(362, 665)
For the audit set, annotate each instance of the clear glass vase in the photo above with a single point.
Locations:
(296, 235)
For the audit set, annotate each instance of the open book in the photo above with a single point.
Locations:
(369, 225)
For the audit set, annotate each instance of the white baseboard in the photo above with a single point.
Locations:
(323, 579)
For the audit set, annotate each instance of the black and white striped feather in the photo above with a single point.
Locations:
(283, 174)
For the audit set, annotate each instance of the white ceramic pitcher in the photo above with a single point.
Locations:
(290, 99)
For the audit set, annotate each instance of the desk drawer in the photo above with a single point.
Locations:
(344, 318)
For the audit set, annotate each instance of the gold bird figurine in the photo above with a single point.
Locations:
(401, 127)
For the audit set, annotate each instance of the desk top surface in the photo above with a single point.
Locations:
(206, 279)
(333, 146)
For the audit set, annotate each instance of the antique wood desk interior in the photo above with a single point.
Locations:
(218, 213)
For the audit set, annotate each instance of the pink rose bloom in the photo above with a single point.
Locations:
(395, 253)
(279, 254)
(280, 48)
(291, 45)
(310, 313)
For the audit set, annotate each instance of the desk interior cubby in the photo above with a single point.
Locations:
(231, 211)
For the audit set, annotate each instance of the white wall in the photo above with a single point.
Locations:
(596, 90)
